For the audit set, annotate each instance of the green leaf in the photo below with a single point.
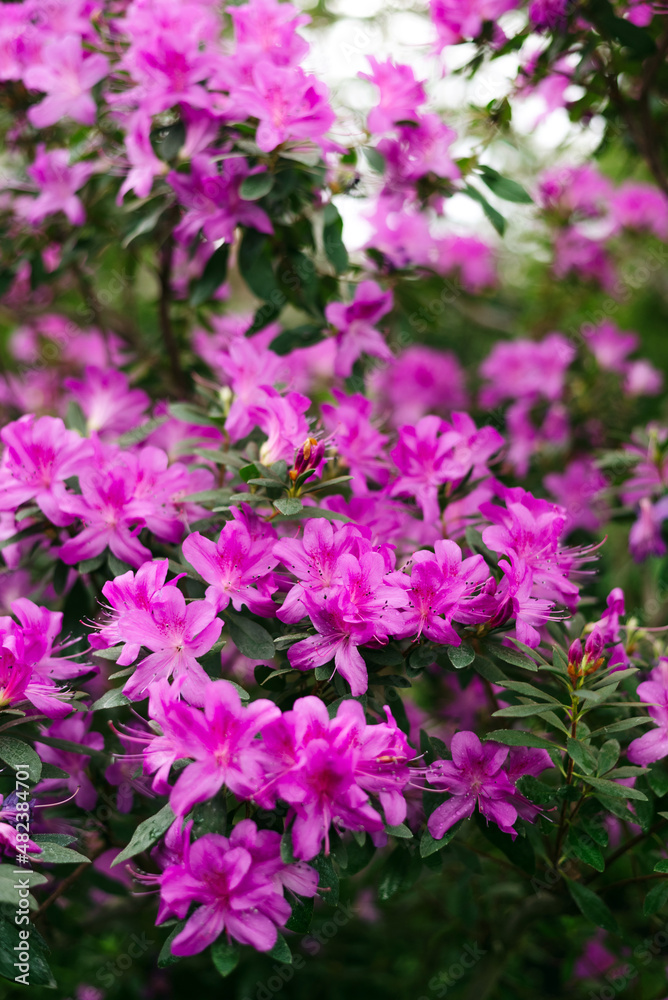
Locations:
(656, 898)
(582, 755)
(117, 566)
(281, 951)
(189, 414)
(401, 831)
(460, 656)
(212, 277)
(613, 789)
(509, 655)
(256, 186)
(111, 699)
(225, 956)
(621, 726)
(109, 654)
(375, 159)
(489, 670)
(140, 433)
(519, 852)
(256, 265)
(661, 866)
(332, 238)
(608, 756)
(519, 687)
(658, 780)
(583, 849)
(51, 771)
(504, 188)
(10, 941)
(302, 914)
(165, 958)
(304, 335)
(309, 512)
(288, 505)
(71, 747)
(20, 756)
(146, 834)
(144, 224)
(519, 738)
(167, 140)
(250, 638)
(35, 529)
(429, 846)
(287, 851)
(494, 217)
(57, 854)
(398, 873)
(328, 880)
(591, 906)
(522, 711)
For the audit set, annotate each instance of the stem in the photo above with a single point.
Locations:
(561, 831)
(65, 884)
(633, 880)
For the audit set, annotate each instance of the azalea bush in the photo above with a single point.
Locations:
(333, 485)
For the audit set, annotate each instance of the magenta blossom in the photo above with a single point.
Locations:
(66, 75)
(40, 455)
(237, 567)
(177, 633)
(653, 745)
(476, 775)
(238, 883)
(400, 94)
(57, 183)
(221, 740)
(355, 326)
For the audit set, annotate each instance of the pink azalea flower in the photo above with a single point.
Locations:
(144, 164)
(57, 183)
(456, 20)
(210, 195)
(129, 592)
(322, 768)
(358, 443)
(237, 882)
(177, 633)
(579, 490)
(441, 583)
(108, 403)
(266, 29)
(282, 419)
(40, 455)
(315, 560)
(289, 103)
(361, 608)
(355, 326)
(653, 745)
(221, 740)
(400, 94)
(476, 775)
(66, 75)
(418, 381)
(237, 567)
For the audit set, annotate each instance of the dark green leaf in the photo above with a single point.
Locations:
(591, 906)
(146, 834)
(289, 505)
(518, 738)
(165, 958)
(225, 956)
(213, 275)
(504, 188)
(281, 952)
(256, 186)
(250, 638)
(582, 755)
(20, 756)
(460, 656)
(656, 898)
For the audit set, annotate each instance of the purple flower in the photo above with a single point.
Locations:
(177, 633)
(221, 740)
(210, 195)
(238, 883)
(67, 76)
(57, 183)
(78, 783)
(40, 455)
(355, 326)
(476, 775)
(237, 567)
(400, 94)
(289, 103)
(653, 745)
